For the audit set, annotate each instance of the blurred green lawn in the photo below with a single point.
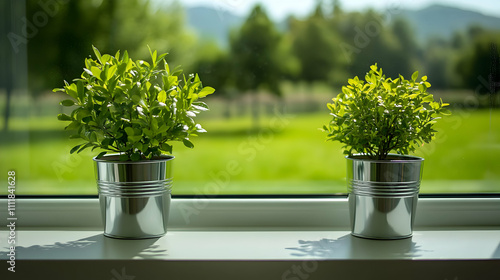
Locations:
(288, 154)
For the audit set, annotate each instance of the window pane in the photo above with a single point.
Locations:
(274, 68)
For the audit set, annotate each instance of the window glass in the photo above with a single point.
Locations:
(274, 66)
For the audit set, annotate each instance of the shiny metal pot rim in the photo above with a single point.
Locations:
(114, 158)
(143, 178)
(392, 158)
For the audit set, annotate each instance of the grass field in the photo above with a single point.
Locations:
(287, 155)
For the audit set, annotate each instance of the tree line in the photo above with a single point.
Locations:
(332, 45)
(327, 46)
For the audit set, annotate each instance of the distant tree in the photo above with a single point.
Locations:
(133, 24)
(7, 55)
(458, 41)
(406, 47)
(365, 41)
(315, 46)
(215, 69)
(57, 51)
(438, 59)
(258, 63)
(369, 38)
(337, 9)
(474, 66)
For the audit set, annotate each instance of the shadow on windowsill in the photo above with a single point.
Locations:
(350, 247)
(93, 247)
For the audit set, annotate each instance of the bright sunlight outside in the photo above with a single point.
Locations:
(274, 67)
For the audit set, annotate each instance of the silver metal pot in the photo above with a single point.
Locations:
(383, 195)
(134, 196)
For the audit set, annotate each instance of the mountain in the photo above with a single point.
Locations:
(435, 20)
(443, 21)
(210, 23)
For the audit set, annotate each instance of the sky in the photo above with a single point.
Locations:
(279, 9)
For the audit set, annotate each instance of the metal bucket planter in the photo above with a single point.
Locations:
(134, 196)
(383, 195)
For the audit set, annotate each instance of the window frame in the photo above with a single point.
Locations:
(271, 213)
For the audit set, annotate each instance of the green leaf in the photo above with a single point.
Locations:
(64, 117)
(111, 72)
(177, 71)
(148, 133)
(445, 112)
(96, 71)
(166, 147)
(93, 137)
(138, 146)
(101, 154)
(206, 91)
(123, 157)
(105, 58)
(172, 81)
(125, 57)
(135, 157)
(80, 91)
(135, 138)
(75, 148)
(162, 56)
(129, 131)
(81, 114)
(85, 147)
(422, 88)
(187, 143)
(97, 53)
(428, 98)
(414, 76)
(73, 125)
(153, 55)
(162, 129)
(162, 96)
(136, 98)
(67, 102)
(167, 68)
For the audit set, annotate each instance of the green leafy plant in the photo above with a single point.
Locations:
(380, 115)
(133, 108)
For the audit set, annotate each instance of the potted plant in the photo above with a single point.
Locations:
(373, 118)
(134, 109)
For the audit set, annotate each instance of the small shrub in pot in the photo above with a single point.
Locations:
(372, 118)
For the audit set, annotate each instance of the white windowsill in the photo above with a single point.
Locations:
(260, 234)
